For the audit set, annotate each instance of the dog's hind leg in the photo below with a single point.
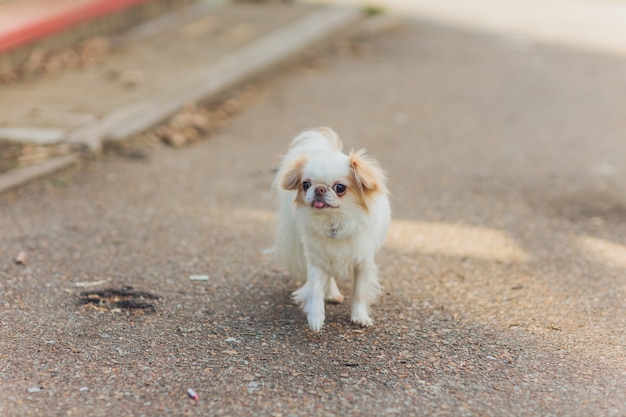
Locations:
(366, 288)
(333, 295)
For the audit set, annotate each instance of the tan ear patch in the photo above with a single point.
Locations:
(293, 175)
(367, 174)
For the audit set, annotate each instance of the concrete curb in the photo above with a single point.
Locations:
(224, 74)
(20, 176)
(238, 66)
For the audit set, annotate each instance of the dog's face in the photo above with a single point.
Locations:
(334, 181)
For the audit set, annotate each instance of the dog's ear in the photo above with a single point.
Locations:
(293, 174)
(368, 175)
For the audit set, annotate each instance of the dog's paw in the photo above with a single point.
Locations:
(314, 309)
(362, 321)
(332, 293)
(316, 321)
(335, 298)
(360, 315)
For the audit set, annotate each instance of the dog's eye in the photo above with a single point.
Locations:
(340, 189)
(306, 185)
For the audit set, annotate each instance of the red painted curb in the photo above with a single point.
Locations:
(25, 21)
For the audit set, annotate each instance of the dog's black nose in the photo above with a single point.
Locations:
(320, 190)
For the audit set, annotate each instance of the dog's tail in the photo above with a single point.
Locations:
(288, 247)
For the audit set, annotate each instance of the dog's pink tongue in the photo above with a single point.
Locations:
(319, 204)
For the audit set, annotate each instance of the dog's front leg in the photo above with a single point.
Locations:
(311, 296)
(366, 288)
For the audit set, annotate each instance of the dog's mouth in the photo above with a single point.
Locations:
(319, 204)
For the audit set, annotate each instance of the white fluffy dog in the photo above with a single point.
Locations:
(333, 217)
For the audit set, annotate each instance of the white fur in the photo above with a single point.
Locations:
(336, 242)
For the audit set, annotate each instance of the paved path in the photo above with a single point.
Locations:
(588, 24)
(504, 271)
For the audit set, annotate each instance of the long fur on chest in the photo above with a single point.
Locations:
(331, 243)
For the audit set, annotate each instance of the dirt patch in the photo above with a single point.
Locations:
(43, 62)
(10, 153)
(18, 155)
(115, 299)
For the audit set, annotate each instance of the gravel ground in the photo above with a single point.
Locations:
(504, 271)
